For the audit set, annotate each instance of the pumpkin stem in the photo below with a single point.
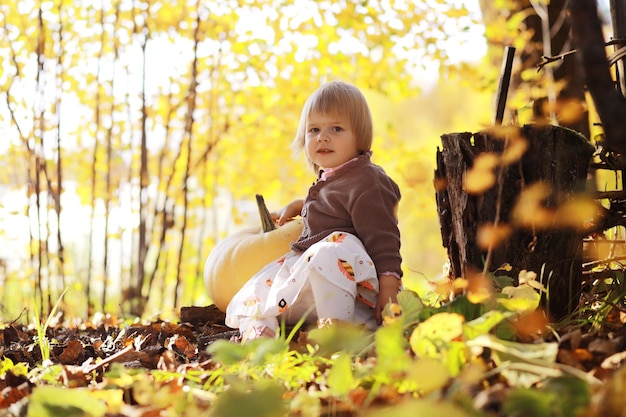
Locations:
(266, 219)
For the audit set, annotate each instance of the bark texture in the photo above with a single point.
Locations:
(555, 155)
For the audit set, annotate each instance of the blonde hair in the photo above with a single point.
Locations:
(342, 98)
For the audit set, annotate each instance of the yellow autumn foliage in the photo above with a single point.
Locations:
(153, 125)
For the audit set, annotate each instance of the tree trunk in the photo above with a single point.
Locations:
(546, 29)
(189, 122)
(557, 156)
(138, 302)
(618, 20)
(609, 102)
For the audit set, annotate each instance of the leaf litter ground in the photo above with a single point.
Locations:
(146, 369)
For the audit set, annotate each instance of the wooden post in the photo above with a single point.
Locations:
(503, 85)
(555, 155)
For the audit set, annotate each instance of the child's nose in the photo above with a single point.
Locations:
(324, 135)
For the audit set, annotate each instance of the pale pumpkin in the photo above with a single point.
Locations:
(237, 258)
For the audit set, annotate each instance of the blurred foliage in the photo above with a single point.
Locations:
(453, 359)
(214, 90)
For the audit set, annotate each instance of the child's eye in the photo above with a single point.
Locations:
(337, 129)
(313, 130)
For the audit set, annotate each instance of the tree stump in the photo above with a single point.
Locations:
(556, 156)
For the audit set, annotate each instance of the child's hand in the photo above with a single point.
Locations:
(288, 212)
(389, 286)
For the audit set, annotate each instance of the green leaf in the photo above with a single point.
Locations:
(421, 407)
(411, 305)
(522, 364)
(228, 353)
(265, 349)
(343, 337)
(391, 348)
(464, 307)
(572, 394)
(340, 378)
(524, 402)
(261, 399)
(502, 281)
(50, 401)
(7, 365)
(543, 352)
(455, 357)
(258, 351)
(505, 331)
(484, 324)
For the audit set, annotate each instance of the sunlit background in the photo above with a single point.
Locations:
(135, 134)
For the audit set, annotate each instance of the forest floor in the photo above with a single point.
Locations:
(147, 369)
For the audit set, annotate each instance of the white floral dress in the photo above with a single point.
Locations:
(333, 279)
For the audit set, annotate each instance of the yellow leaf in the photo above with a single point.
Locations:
(479, 287)
(520, 299)
(529, 210)
(446, 288)
(514, 150)
(481, 295)
(432, 335)
(486, 161)
(505, 267)
(477, 181)
(571, 111)
(420, 407)
(114, 398)
(577, 212)
(526, 276)
(566, 111)
(481, 177)
(429, 374)
(490, 236)
(503, 132)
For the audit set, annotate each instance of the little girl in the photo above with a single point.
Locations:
(345, 266)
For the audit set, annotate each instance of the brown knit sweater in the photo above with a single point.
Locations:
(359, 199)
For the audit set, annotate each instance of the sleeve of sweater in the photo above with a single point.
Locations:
(374, 215)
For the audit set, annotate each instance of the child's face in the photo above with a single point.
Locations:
(329, 140)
